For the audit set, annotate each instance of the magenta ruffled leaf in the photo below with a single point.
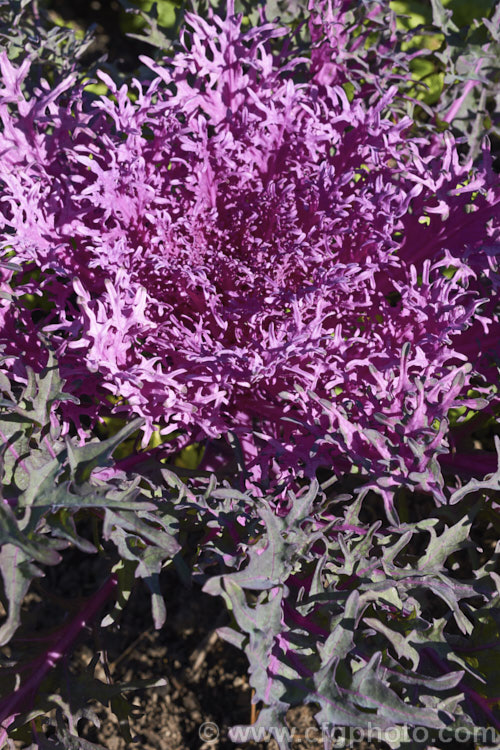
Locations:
(239, 232)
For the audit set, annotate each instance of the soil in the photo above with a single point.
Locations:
(205, 682)
(205, 679)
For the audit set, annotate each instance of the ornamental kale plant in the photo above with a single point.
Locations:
(239, 245)
(254, 249)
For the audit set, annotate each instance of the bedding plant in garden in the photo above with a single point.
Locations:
(249, 346)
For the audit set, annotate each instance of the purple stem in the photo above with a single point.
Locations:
(14, 452)
(455, 107)
(18, 701)
(304, 622)
(49, 447)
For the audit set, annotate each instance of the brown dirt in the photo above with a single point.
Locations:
(205, 678)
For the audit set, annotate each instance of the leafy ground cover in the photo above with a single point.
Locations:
(249, 364)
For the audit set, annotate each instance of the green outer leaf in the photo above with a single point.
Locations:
(40, 549)
(441, 547)
(17, 575)
(370, 691)
(87, 457)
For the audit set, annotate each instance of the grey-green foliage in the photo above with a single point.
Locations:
(54, 488)
(374, 623)
(470, 52)
(371, 635)
(26, 31)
